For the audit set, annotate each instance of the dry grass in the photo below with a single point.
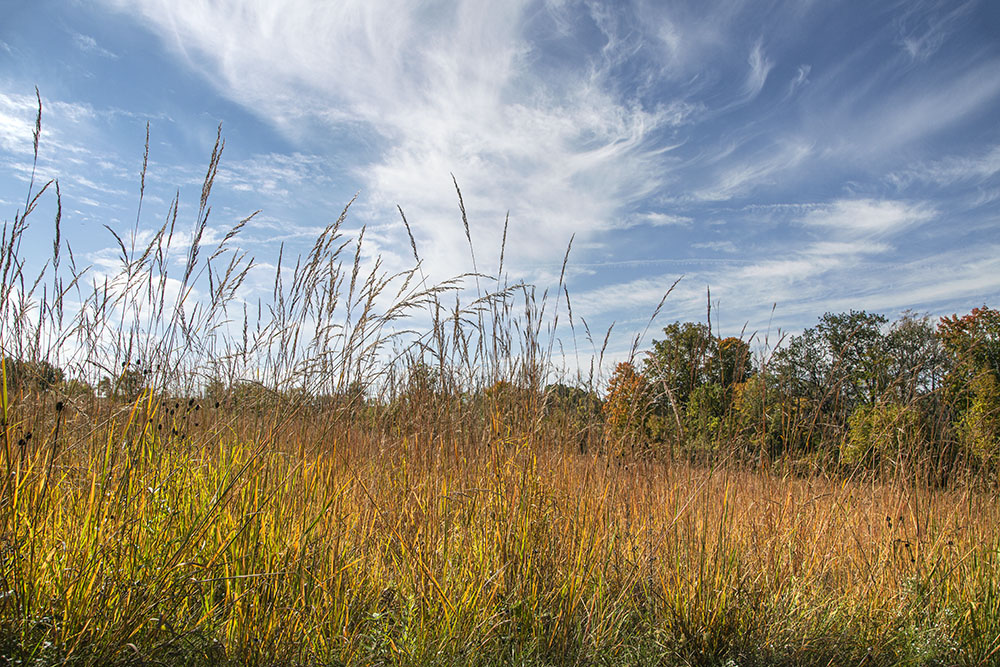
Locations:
(359, 547)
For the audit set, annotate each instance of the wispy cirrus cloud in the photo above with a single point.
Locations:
(657, 219)
(760, 66)
(277, 177)
(846, 244)
(863, 219)
(905, 114)
(923, 27)
(975, 168)
(735, 180)
(804, 153)
(727, 247)
(18, 113)
(88, 44)
(441, 89)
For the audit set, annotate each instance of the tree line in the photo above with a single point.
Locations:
(854, 388)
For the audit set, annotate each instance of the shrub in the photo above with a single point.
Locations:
(979, 425)
(880, 433)
(704, 414)
(758, 424)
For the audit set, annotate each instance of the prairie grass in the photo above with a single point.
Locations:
(361, 547)
(321, 484)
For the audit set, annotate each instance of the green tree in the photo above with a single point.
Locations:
(801, 368)
(840, 363)
(917, 362)
(679, 363)
(973, 344)
(857, 351)
(703, 414)
(561, 398)
(735, 364)
(126, 387)
(821, 376)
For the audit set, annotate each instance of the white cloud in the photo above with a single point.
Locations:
(951, 170)
(774, 295)
(640, 293)
(718, 246)
(888, 117)
(588, 138)
(103, 188)
(863, 218)
(801, 76)
(439, 88)
(844, 233)
(685, 41)
(663, 219)
(736, 180)
(760, 66)
(88, 44)
(922, 29)
(17, 124)
(844, 238)
(274, 175)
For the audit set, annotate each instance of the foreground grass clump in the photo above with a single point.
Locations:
(314, 543)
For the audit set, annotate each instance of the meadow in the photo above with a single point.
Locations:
(367, 471)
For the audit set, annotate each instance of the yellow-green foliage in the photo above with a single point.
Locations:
(704, 412)
(759, 425)
(883, 432)
(979, 427)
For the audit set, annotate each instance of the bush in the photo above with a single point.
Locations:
(979, 426)
(764, 423)
(704, 414)
(38, 376)
(880, 433)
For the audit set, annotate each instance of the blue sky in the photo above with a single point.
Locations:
(796, 158)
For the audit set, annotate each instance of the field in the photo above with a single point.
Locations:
(315, 540)
(185, 483)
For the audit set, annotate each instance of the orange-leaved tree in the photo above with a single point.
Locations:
(627, 405)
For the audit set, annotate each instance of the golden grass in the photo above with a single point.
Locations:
(359, 547)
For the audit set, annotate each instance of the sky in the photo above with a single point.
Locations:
(787, 158)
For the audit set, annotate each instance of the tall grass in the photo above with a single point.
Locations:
(366, 471)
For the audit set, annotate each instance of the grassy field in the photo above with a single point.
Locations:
(310, 486)
(313, 540)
